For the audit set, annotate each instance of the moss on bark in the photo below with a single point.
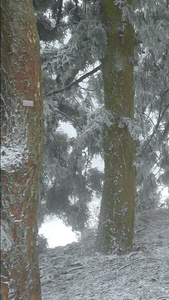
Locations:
(116, 225)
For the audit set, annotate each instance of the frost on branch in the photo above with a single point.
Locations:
(132, 125)
(126, 9)
(93, 130)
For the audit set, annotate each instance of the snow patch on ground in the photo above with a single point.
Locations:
(77, 271)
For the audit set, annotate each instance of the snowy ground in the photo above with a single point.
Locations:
(76, 271)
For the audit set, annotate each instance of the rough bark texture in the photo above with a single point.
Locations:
(116, 226)
(22, 139)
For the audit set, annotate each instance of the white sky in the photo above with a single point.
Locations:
(67, 128)
(56, 232)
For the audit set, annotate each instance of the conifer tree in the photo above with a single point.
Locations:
(21, 156)
(116, 224)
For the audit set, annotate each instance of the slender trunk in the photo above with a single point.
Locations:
(22, 139)
(116, 223)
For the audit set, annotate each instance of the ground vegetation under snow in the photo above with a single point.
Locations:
(77, 271)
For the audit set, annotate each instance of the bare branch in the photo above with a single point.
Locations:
(68, 87)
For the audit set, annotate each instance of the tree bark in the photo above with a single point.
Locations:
(116, 224)
(22, 140)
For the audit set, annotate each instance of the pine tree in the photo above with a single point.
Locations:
(118, 201)
(22, 139)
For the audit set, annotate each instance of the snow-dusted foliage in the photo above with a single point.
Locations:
(65, 62)
(132, 125)
(85, 43)
(151, 22)
(73, 43)
(91, 135)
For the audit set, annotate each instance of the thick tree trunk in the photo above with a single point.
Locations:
(116, 225)
(22, 139)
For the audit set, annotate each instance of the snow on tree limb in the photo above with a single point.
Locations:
(68, 87)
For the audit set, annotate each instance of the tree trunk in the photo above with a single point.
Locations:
(22, 139)
(116, 224)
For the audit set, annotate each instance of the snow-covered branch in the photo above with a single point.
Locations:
(68, 87)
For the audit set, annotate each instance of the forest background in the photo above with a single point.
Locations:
(105, 70)
(73, 43)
